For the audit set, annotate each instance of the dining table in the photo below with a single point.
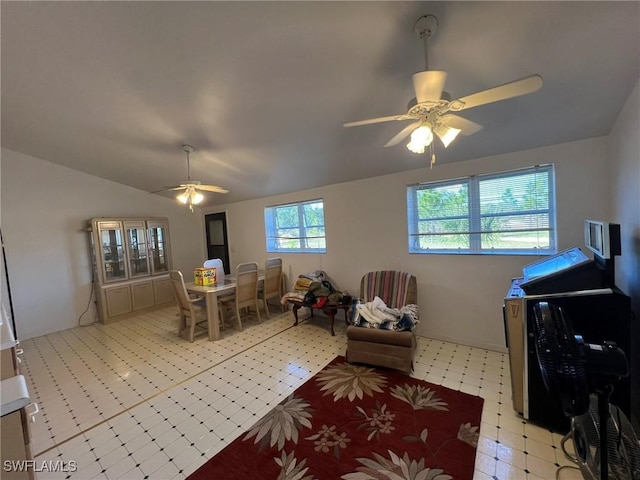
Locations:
(211, 293)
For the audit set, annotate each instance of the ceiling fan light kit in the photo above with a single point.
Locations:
(420, 139)
(430, 110)
(191, 195)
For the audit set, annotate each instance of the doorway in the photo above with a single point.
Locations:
(217, 245)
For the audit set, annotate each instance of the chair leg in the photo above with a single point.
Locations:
(258, 310)
(192, 329)
(239, 319)
(182, 323)
(221, 314)
(266, 307)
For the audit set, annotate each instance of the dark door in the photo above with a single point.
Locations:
(217, 246)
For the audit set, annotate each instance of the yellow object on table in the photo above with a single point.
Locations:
(205, 276)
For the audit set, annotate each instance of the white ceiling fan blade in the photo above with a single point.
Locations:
(390, 118)
(168, 189)
(404, 133)
(467, 127)
(211, 188)
(502, 92)
(429, 85)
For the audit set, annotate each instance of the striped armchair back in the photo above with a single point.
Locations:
(395, 288)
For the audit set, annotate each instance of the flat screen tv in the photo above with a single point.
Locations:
(602, 238)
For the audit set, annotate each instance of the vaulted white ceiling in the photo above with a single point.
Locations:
(261, 89)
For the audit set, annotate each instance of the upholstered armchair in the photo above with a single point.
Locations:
(384, 348)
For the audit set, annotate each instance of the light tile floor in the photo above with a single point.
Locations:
(132, 400)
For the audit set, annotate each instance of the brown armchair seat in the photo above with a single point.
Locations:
(384, 348)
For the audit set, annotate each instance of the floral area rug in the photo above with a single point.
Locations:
(354, 422)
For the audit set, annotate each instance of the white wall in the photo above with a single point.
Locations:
(624, 156)
(460, 296)
(45, 208)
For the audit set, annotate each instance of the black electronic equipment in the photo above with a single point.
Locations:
(585, 290)
(567, 271)
(581, 376)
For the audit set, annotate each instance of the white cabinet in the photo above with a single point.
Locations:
(159, 246)
(137, 248)
(118, 300)
(131, 261)
(162, 291)
(142, 295)
(15, 445)
(14, 426)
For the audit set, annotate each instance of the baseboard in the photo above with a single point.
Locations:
(469, 343)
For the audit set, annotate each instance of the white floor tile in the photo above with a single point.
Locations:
(141, 401)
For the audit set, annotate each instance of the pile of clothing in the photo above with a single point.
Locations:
(316, 290)
(376, 314)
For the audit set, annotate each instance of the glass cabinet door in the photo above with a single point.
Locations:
(136, 234)
(159, 247)
(112, 251)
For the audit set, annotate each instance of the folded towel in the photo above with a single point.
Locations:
(302, 284)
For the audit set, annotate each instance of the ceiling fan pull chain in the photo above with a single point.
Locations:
(433, 156)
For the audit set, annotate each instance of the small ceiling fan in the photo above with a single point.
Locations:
(191, 195)
(431, 106)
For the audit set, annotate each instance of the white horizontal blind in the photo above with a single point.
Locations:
(296, 227)
(505, 213)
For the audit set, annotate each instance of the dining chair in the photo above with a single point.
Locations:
(271, 287)
(246, 294)
(219, 266)
(192, 311)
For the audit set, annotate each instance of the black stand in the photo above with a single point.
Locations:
(603, 413)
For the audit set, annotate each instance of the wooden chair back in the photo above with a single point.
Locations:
(272, 287)
(180, 291)
(246, 284)
(192, 311)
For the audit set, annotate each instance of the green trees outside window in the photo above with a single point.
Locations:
(508, 213)
(296, 227)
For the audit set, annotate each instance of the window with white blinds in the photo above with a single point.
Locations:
(296, 227)
(503, 213)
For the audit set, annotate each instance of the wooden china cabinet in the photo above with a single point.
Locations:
(131, 262)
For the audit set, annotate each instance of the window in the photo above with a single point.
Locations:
(503, 213)
(297, 227)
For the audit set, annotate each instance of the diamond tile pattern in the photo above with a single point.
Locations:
(133, 400)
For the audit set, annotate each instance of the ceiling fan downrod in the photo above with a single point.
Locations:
(424, 27)
(188, 149)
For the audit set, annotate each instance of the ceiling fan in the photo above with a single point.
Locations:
(431, 107)
(191, 195)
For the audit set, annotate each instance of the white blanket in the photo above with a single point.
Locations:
(378, 312)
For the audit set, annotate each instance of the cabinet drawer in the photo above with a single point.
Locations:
(118, 300)
(163, 291)
(142, 295)
(8, 363)
(15, 444)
